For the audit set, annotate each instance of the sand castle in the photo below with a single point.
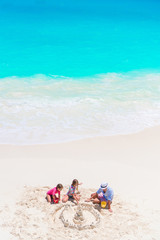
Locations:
(34, 218)
(84, 216)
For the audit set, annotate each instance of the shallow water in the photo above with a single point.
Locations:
(47, 109)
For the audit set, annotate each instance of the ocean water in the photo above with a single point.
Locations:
(77, 69)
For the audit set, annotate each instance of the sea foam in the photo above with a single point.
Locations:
(50, 109)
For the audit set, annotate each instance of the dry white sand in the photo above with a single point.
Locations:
(130, 164)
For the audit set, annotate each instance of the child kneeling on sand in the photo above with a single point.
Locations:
(71, 192)
(53, 195)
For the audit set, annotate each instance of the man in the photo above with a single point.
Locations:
(104, 193)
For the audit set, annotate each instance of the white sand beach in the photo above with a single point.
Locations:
(129, 163)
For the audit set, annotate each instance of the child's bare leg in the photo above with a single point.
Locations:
(65, 199)
(48, 198)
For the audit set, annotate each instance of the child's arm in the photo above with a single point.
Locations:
(53, 196)
(59, 196)
(78, 185)
(75, 197)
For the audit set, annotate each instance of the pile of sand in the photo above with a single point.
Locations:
(33, 218)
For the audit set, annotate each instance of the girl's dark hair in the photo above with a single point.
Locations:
(74, 182)
(59, 186)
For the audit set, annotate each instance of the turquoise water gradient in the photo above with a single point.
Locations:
(78, 38)
(73, 69)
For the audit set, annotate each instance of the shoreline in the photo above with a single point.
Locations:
(84, 138)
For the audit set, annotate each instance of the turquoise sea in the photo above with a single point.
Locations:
(75, 69)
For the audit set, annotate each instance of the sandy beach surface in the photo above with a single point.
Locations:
(129, 163)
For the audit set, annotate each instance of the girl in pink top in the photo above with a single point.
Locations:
(53, 195)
